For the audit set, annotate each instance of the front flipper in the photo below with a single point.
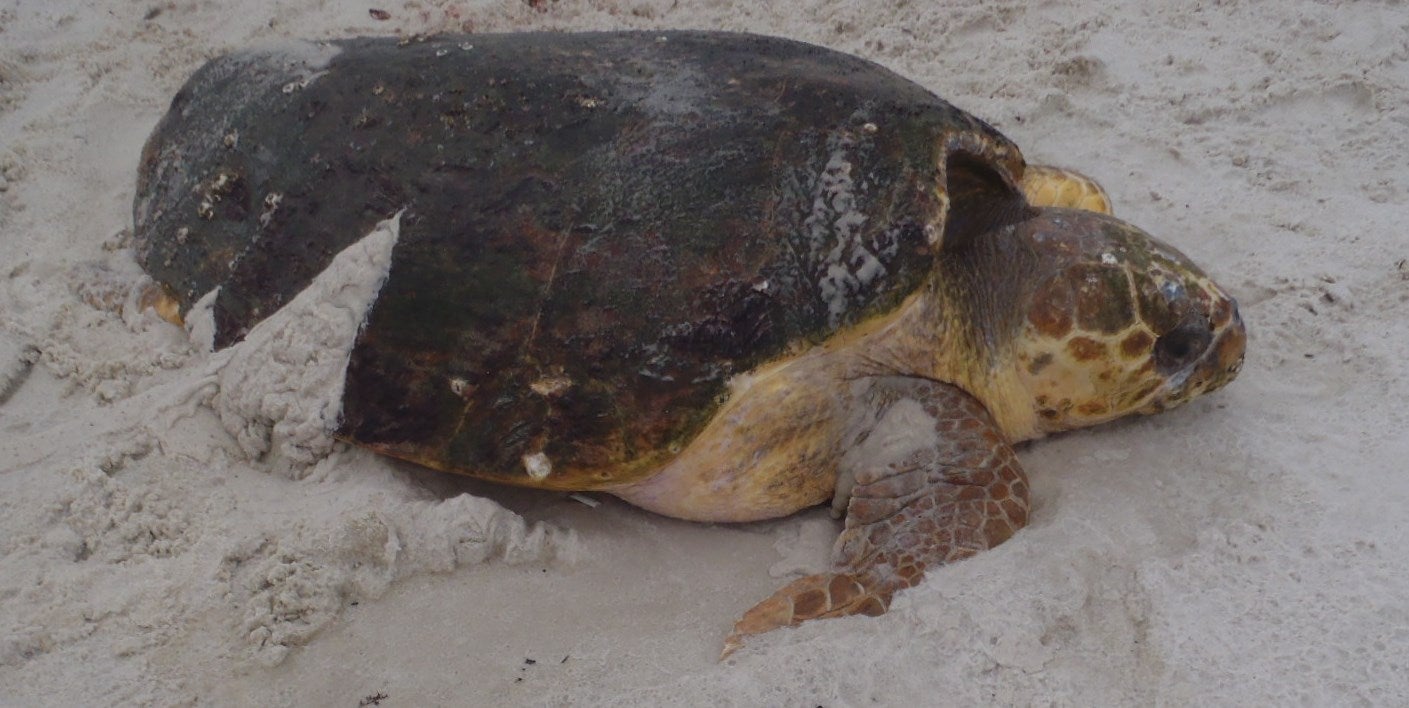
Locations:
(1047, 186)
(935, 482)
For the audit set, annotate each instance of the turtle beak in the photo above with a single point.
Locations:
(1220, 362)
(1225, 356)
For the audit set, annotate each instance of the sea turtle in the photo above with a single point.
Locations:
(724, 277)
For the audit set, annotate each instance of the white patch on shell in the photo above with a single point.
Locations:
(538, 466)
(836, 236)
(302, 62)
(458, 386)
(272, 201)
(933, 233)
(551, 385)
(297, 55)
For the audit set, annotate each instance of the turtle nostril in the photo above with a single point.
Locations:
(1181, 345)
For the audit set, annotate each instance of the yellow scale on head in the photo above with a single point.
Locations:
(1082, 356)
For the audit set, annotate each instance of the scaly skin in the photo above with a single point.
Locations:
(917, 503)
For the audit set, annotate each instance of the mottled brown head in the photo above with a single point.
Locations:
(1115, 322)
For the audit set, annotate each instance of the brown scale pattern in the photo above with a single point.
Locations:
(1137, 345)
(932, 506)
(1086, 349)
(642, 214)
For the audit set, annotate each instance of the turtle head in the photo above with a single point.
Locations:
(1113, 322)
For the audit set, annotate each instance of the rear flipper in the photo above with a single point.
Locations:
(935, 482)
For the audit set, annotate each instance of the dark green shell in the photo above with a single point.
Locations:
(643, 215)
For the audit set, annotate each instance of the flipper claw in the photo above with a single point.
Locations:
(813, 597)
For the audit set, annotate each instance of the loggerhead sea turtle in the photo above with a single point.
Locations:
(724, 277)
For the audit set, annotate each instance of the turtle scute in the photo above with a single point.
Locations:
(639, 216)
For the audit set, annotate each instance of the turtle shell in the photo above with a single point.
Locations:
(597, 230)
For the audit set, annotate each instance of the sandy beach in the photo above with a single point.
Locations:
(177, 529)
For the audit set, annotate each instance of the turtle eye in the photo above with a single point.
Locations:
(1181, 345)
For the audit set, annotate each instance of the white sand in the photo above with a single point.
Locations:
(1247, 549)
